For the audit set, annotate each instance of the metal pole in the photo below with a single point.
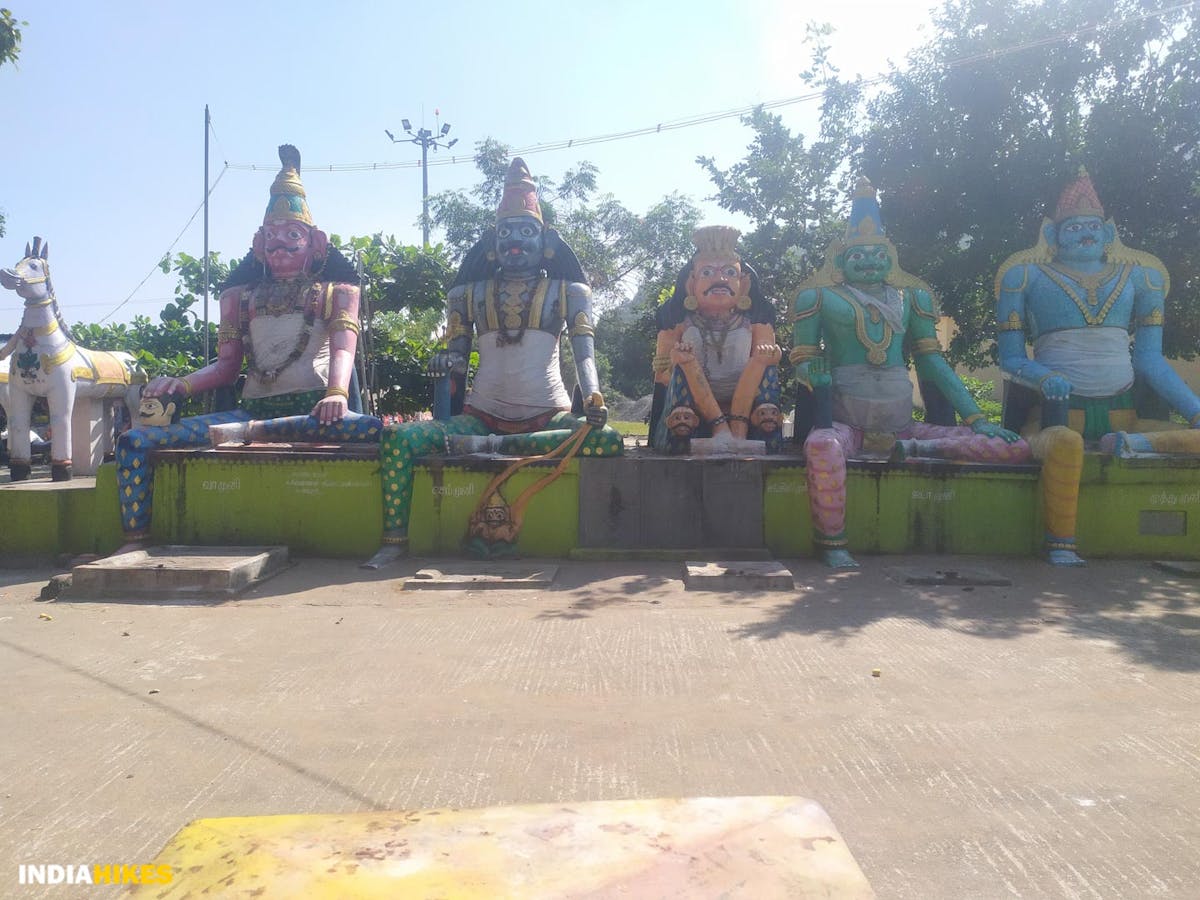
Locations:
(424, 190)
(206, 129)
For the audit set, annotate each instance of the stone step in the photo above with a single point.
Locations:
(175, 573)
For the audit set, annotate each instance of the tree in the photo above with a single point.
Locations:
(619, 250)
(795, 193)
(10, 37)
(10, 49)
(972, 141)
(174, 345)
(403, 303)
(627, 257)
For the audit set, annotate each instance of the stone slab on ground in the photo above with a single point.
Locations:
(698, 847)
(949, 576)
(460, 575)
(173, 573)
(732, 575)
(1179, 567)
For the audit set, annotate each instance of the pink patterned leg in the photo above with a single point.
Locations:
(825, 452)
(961, 443)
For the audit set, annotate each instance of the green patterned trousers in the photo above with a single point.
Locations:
(403, 443)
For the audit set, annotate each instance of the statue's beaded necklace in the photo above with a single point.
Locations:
(1070, 281)
(276, 299)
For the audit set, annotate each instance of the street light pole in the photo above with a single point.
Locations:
(424, 138)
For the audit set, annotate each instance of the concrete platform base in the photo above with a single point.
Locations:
(667, 554)
(176, 573)
(457, 576)
(702, 848)
(738, 576)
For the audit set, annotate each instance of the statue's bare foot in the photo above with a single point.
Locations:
(386, 555)
(837, 558)
(1065, 558)
(229, 433)
(1125, 445)
(130, 547)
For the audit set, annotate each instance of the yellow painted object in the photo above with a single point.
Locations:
(751, 847)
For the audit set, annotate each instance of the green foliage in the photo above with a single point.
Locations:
(794, 192)
(971, 146)
(620, 251)
(10, 38)
(624, 255)
(10, 49)
(625, 338)
(174, 345)
(404, 296)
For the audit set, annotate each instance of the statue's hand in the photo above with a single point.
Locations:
(165, 384)
(444, 362)
(991, 429)
(682, 354)
(771, 352)
(818, 374)
(1056, 388)
(330, 409)
(595, 412)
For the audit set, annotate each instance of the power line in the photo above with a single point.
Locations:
(706, 118)
(166, 252)
(658, 128)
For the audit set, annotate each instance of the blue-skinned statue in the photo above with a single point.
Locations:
(518, 288)
(1076, 297)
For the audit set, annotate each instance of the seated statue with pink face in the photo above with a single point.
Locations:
(289, 312)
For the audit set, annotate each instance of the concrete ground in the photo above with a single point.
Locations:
(1037, 740)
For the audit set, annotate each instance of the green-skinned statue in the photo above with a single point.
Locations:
(867, 311)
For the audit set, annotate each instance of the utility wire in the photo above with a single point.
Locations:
(705, 118)
(673, 125)
(167, 252)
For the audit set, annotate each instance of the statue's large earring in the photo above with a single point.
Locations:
(744, 302)
(548, 253)
(690, 302)
(491, 255)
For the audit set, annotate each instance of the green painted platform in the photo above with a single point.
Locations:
(322, 504)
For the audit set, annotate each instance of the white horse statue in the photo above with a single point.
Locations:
(80, 385)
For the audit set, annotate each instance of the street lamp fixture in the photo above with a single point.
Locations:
(425, 139)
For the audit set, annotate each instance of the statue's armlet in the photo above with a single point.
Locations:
(806, 319)
(1149, 300)
(578, 314)
(341, 308)
(925, 306)
(922, 326)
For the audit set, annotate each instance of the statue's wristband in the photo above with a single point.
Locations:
(332, 391)
(972, 419)
(187, 386)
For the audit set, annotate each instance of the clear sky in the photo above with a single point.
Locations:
(102, 149)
